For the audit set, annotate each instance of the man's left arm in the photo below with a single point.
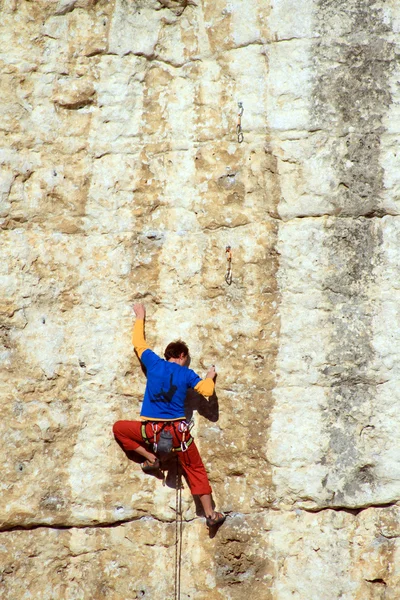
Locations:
(138, 339)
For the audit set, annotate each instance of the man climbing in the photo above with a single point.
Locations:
(163, 414)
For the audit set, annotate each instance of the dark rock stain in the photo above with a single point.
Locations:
(351, 97)
(354, 248)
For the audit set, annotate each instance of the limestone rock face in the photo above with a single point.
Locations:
(123, 178)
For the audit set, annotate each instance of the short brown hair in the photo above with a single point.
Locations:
(175, 349)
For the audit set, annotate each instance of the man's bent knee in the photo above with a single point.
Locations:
(117, 428)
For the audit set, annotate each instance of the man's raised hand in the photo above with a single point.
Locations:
(139, 310)
(211, 372)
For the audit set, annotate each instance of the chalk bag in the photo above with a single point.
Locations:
(165, 442)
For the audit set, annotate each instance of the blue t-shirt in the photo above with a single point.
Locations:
(167, 385)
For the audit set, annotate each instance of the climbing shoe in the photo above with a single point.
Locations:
(217, 519)
(150, 467)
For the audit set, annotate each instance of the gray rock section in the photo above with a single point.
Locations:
(353, 61)
(333, 384)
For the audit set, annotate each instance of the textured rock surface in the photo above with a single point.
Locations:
(122, 178)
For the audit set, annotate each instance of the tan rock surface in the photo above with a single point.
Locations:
(338, 554)
(122, 178)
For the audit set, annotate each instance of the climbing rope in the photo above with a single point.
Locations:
(228, 275)
(178, 531)
(239, 123)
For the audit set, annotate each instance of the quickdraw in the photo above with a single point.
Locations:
(228, 275)
(154, 428)
(239, 123)
(184, 427)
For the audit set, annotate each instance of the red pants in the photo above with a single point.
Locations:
(129, 435)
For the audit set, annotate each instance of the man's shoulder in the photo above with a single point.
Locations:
(149, 357)
(192, 377)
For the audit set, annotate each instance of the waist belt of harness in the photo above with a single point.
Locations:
(182, 448)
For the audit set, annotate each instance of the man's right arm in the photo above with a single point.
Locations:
(206, 386)
(138, 340)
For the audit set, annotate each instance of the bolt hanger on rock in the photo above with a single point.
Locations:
(239, 123)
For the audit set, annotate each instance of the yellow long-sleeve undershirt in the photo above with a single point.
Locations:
(205, 387)
(138, 341)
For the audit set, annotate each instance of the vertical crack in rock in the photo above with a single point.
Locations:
(351, 97)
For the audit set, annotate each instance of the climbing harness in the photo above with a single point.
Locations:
(239, 123)
(228, 275)
(178, 531)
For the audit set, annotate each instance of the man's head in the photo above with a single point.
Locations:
(177, 352)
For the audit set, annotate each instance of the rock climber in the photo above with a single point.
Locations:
(163, 414)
